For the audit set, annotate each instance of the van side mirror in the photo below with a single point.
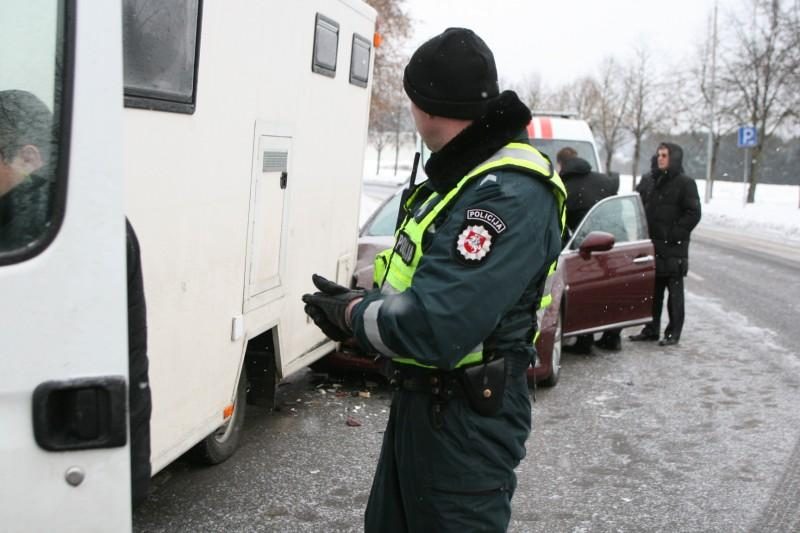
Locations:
(596, 241)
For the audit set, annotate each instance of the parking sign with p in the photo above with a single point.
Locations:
(748, 137)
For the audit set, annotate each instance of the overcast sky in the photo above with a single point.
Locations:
(564, 39)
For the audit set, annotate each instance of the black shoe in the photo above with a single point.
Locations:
(644, 336)
(583, 345)
(612, 343)
(668, 341)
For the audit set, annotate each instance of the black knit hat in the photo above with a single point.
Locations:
(452, 75)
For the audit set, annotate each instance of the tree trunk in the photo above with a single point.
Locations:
(714, 156)
(637, 148)
(609, 156)
(755, 158)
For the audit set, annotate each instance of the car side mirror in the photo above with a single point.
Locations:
(596, 241)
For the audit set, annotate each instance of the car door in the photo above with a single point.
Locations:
(614, 288)
(63, 332)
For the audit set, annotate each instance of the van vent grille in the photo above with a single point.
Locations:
(275, 162)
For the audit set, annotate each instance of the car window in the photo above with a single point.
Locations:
(385, 218)
(550, 148)
(620, 216)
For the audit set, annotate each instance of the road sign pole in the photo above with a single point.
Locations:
(747, 138)
(746, 174)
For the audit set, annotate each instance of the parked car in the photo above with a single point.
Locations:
(604, 280)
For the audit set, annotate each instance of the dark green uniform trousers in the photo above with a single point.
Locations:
(457, 477)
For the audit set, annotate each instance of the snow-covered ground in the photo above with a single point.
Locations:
(775, 215)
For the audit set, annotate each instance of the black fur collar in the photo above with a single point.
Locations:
(501, 124)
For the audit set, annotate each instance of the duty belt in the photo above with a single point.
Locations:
(439, 383)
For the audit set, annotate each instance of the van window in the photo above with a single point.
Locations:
(550, 148)
(359, 61)
(160, 45)
(326, 46)
(33, 91)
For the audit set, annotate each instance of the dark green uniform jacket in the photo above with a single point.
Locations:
(458, 475)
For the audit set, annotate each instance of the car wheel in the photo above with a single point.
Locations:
(222, 443)
(555, 357)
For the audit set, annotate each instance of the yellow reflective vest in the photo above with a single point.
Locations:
(395, 267)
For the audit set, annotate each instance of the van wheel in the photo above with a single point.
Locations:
(555, 357)
(222, 443)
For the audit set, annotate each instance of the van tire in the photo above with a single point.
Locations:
(222, 443)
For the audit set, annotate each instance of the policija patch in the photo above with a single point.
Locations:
(479, 232)
(405, 247)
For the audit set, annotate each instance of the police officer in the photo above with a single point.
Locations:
(457, 299)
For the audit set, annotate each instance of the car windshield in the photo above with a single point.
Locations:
(384, 221)
(550, 148)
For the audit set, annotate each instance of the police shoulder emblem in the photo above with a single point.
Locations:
(474, 243)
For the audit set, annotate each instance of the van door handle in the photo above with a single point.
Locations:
(643, 259)
(80, 414)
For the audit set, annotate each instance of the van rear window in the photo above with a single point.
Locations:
(550, 148)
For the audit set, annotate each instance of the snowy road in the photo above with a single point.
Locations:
(701, 437)
(755, 277)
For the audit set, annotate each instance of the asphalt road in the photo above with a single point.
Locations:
(699, 437)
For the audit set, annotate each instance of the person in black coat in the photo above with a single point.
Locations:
(584, 189)
(673, 210)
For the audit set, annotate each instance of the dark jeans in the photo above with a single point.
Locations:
(674, 284)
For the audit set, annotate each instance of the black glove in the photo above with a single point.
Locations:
(328, 307)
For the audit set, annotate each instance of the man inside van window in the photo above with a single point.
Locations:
(26, 141)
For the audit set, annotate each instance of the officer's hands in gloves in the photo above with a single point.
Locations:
(330, 307)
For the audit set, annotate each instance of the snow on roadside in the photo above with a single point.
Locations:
(774, 215)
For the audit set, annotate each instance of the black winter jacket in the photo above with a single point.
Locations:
(25, 213)
(672, 205)
(584, 189)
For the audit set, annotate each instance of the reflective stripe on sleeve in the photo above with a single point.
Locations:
(370, 318)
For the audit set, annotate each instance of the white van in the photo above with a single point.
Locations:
(217, 160)
(550, 132)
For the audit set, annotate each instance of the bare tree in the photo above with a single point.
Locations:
(379, 139)
(759, 69)
(531, 92)
(645, 110)
(394, 26)
(581, 96)
(401, 122)
(703, 105)
(612, 105)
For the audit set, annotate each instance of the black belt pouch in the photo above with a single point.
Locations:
(484, 386)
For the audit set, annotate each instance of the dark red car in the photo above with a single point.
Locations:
(604, 280)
